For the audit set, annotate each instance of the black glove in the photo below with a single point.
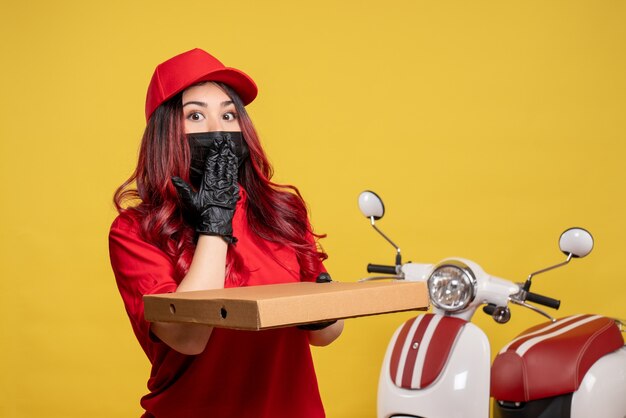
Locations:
(322, 278)
(212, 207)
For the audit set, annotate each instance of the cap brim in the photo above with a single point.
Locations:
(236, 79)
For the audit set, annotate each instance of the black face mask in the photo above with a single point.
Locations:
(201, 143)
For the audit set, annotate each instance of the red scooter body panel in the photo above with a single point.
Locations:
(551, 359)
(421, 350)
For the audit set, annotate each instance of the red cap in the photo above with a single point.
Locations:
(189, 68)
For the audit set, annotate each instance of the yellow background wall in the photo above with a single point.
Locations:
(487, 126)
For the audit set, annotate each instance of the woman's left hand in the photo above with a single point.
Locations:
(213, 205)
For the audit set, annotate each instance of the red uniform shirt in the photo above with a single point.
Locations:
(240, 373)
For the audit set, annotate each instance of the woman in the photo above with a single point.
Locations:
(205, 215)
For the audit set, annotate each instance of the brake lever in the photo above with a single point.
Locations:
(532, 308)
(375, 278)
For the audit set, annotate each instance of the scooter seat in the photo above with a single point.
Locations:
(551, 359)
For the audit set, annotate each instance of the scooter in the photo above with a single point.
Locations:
(437, 365)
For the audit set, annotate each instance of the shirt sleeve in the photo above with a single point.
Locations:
(140, 269)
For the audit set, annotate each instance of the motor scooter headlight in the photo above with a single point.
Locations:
(452, 286)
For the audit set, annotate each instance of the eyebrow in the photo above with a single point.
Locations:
(204, 104)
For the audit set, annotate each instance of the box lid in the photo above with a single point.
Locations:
(281, 305)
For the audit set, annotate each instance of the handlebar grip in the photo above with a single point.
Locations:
(543, 300)
(379, 268)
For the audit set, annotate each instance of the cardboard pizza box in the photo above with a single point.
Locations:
(282, 305)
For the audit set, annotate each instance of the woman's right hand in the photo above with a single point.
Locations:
(212, 206)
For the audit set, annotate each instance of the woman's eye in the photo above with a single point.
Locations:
(229, 116)
(195, 116)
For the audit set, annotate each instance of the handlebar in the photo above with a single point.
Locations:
(379, 268)
(502, 314)
(543, 300)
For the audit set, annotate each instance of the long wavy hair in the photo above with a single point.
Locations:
(275, 212)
